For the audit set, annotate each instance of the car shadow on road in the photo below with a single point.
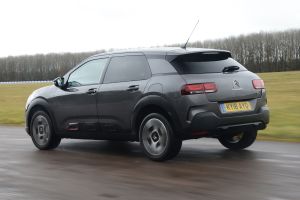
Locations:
(104, 148)
(133, 150)
(216, 154)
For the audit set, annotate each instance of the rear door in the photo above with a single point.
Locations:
(123, 85)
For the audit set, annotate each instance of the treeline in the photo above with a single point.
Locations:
(40, 66)
(262, 52)
(259, 52)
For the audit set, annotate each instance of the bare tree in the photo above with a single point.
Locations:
(259, 52)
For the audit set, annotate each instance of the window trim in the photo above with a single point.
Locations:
(127, 55)
(83, 63)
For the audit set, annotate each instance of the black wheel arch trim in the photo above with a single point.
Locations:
(44, 104)
(159, 101)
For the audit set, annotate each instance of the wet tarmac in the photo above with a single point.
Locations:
(80, 169)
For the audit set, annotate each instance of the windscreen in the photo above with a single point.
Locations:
(201, 63)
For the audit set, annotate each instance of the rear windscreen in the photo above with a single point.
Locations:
(200, 63)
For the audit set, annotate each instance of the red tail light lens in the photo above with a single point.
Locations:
(258, 84)
(210, 87)
(199, 88)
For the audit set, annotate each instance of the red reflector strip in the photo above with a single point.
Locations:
(258, 84)
(200, 133)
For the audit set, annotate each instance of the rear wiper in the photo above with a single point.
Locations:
(231, 68)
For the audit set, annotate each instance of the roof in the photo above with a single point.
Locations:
(161, 51)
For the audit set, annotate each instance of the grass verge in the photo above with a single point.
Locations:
(283, 92)
(12, 102)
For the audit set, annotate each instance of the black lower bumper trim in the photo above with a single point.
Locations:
(211, 122)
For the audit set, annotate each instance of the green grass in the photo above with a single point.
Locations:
(283, 91)
(12, 102)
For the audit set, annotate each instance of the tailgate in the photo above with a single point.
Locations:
(230, 86)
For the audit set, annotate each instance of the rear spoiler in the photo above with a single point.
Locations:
(200, 56)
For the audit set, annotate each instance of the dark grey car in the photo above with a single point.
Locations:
(158, 97)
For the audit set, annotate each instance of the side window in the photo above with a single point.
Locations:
(127, 68)
(89, 73)
(161, 66)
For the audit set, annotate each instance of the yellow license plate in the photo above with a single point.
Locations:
(236, 106)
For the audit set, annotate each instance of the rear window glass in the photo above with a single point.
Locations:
(204, 63)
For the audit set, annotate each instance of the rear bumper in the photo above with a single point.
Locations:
(210, 122)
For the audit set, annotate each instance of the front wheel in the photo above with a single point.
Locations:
(237, 141)
(42, 133)
(157, 138)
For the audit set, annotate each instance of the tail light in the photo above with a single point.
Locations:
(258, 84)
(198, 88)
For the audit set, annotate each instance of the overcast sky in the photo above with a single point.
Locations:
(43, 26)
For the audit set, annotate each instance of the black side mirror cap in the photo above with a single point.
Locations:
(59, 82)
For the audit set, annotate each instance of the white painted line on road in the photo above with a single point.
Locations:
(8, 139)
(276, 198)
(290, 156)
(278, 161)
(290, 166)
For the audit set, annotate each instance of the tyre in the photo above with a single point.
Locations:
(42, 133)
(157, 138)
(237, 141)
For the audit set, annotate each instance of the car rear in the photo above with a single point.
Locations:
(220, 94)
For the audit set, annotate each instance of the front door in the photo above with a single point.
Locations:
(75, 106)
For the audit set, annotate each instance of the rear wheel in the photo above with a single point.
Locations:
(42, 133)
(157, 138)
(239, 140)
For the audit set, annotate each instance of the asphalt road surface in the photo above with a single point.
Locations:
(88, 170)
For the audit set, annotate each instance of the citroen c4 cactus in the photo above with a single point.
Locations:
(158, 97)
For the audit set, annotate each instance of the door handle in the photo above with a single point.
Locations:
(92, 91)
(133, 88)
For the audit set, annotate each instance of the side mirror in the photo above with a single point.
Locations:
(59, 82)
